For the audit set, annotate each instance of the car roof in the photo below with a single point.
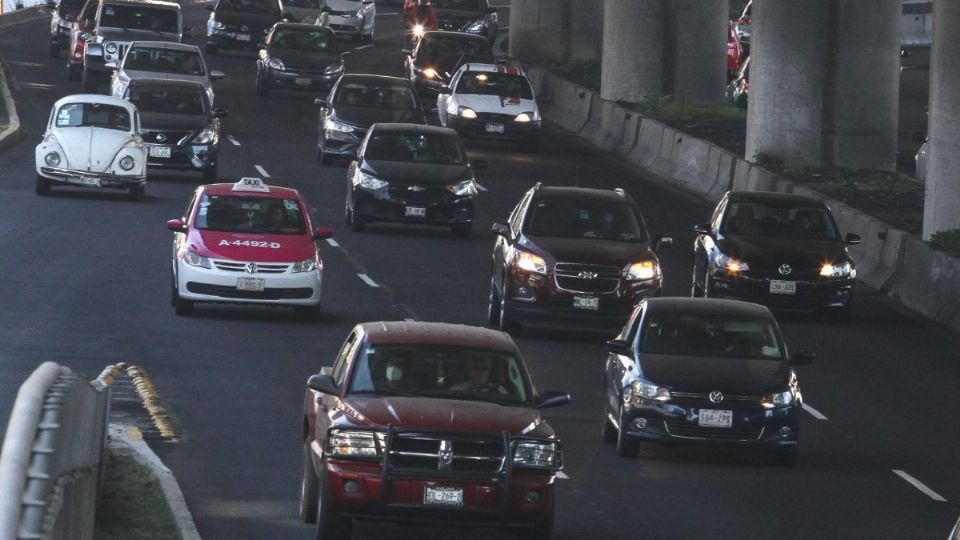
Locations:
(385, 127)
(562, 192)
(707, 306)
(160, 81)
(302, 26)
(95, 98)
(773, 196)
(369, 77)
(434, 333)
(166, 45)
(510, 68)
(144, 3)
(276, 192)
(446, 34)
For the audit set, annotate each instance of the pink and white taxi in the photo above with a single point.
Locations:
(247, 242)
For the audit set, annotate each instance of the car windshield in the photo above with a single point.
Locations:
(249, 214)
(448, 50)
(261, 7)
(415, 147)
(682, 333)
(494, 84)
(140, 17)
(466, 5)
(789, 219)
(440, 371)
(364, 94)
(577, 217)
(168, 99)
(304, 40)
(173, 61)
(93, 115)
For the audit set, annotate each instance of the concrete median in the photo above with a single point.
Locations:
(927, 281)
(648, 143)
(570, 105)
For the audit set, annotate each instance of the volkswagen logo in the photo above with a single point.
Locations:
(716, 396)
(445, 455)
(587, 275)
(252, 268)
(161, 137)
(416, 188)
(785, 269)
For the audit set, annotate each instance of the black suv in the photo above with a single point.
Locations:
(471, 16)
(241, 24)
(573, 255)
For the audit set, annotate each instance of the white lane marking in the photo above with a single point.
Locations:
(562, 475)
(366, 279)
(480, 186)
(362, 47)
(233, 140)
(262, 171)
(919, 485)
(813, 412)
(332, 242)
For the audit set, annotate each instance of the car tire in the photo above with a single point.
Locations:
(182, 307)
(462, 230)
(54, 51)
(136, 192)
(507, 321)
(331, 523)
(88, 81)
(210, 174)
(210, 48)
(626, 447)
(42, 186)
(493, 304)
(609, 432)
(308, 487)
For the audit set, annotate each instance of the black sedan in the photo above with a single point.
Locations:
(780, 250)
(357, 102)
(298, 56)
(438, 55)
(180, 130)
(708, 372)
(471, 16)
(409, 173)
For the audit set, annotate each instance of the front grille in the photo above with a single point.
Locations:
(343, 28)
(260, 268)
(224, 291)
(587, 278)
(169, 137)
(693, 431)
(442, 453)
(498, 118)
(703, 397)
(420, 194)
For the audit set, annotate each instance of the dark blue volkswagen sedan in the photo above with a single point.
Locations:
(702, 371)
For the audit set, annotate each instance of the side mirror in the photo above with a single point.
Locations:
(802, 358)
(618, 346)
(501, 229)
(322, 383)
(479, 164)
(408, 52)
(852, 239)
(326, 370)
(209, 7)
(660, 242)
(321, 233)
(176, 225)
(94, 49)
(552, 398)
(444, 89)
(216, 75)
(322, 102)
(188, 32)
(703, 228)
(110, 65)
(219, 113)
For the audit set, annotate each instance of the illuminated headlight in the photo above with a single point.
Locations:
(475, 27)
(541, 454)
(214, 24)
(530, 262)
(730, 264)
(193, 259)
(467, 112)
(366, 181)
(127, 163)
(276, 63)
(333, 68)
(358, 444)
(430, 73)
(306, 265)
(52, 159)
(463, 189)
(643, 270)
(206, 136)
(418, 30)
(781, 399)
(331, 125)
(638, 391)
(111, 47)
(836, 271)
(524, 117)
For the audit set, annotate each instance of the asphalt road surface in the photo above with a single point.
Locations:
(85, 279)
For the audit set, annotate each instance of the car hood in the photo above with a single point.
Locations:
(89, 148)
(424, 173)
(446, 415)
(496, 104)
(159, 75)
(456, 17)
(365, 117)
(163, 121)
(293, 59)
(122, 34)
(279, 247)
(733, 376)
(253, 21)
(587, 251)
(766, 254)
(343, 6)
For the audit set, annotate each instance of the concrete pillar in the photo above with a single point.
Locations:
(862, 84)
(696, 50)
(941, 210)
(539, 30)
(784, 115)
(632, 64)
(586, 30)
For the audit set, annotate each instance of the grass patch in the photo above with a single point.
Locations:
(840, 178)
(132, 506)
(946, 241)
(582, 72)
(664, 108)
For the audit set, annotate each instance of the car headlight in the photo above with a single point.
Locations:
(355, 443)
(474, 27)
(467, 112)
(194, 259)
(524, 117)
(780, 399)
(367, 181)
(52, 159)
(430, 73)
(540, 454)
(730, 264)
(127, 163)
(639, 391)
(206, 136)
(836, 271)
(333, 68)
(333, 125)
(110, 47)
(306, 265)
(418, 30)
(530, 262)
(466, 188)
(276, 63)
(643, 270)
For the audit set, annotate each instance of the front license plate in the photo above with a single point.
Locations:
(783, 287)
(88, 181)
(415, 211)
(586, 302)
(159, 151)
(303, 81)
(715, 418)
(443, 496)
(494, 128)
(250, 284)
(243, 37)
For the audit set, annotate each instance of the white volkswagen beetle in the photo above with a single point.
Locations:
(92, 141)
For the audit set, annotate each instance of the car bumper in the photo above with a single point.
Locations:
(492, 129)
(226, 39)
(341, 144)
(442, 210)
(301, 81)
(188, 157)
(215, 285)
(91, 179)
(342, 26)
(809, 294)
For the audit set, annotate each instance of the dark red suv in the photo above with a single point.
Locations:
(428, 422)
(572, 255)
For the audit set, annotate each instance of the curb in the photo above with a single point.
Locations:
(11, 134)
(130, 437)
(23, 16)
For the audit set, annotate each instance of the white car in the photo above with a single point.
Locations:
(492, 101)
(354, 18)
(162, 60)
(92, 141)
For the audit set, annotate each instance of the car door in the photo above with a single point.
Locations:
(704, 245)
(619, 365)
(321, 414)
(503, 245)
(446, 98)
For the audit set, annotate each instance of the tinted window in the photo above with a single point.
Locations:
(93, 115)
(571, 217)
(699, 335)
(466, 5)
(140, 18)
(163, 60)
(451, 48)
(494, 84)
(262, 7)
(415, 147)
(779, 220)
(304, 40)
(389, 95)
(168, 99)
(249, 215)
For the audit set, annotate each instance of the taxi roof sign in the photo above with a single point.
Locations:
(251, 183)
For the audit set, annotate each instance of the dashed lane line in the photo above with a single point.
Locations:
(233, 140)
(262, 171)
(919, 485)
(813, 412)
(332, 242)
(366, 279)
(562, 475)
(362, 47)
(480, 186)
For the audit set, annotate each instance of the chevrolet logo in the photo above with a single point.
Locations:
(161, 137)
(416, 188)
(587, 275)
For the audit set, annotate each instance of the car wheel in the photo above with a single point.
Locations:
(136, 192)
(180, 306)
(42, 186)
(308, 487)
(626, 446)
(210, 174)
(54, 51)
(357, 222)
(609, 430)
(493, 304)
(331, 523)
(88, 81)
(506, 319)
(462, 230)
(210, 48)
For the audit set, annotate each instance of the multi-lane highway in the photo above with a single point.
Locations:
(85, 279)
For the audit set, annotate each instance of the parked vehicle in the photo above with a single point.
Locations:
(439, 54)
(241, 24)
(738, 89)
(86, 20)
(297, 56)
(162, 60)
(63, 21)
(355, 19)
(734, 51)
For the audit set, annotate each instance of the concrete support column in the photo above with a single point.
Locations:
(695, 49)
(586, 30)
(539, 30)
(941, 210)
(632, 64)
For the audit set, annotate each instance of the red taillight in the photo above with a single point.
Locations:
(78, 49)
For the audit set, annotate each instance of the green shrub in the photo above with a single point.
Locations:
(946, 241)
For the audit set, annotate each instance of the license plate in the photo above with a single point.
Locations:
(586, 302)
(88, 181)
(243, 37)
(494, 128)
(715, 418)
(159, 151)
(250, 284)
(783, 287)
(303, 81)
(443, 496)
(415, 211)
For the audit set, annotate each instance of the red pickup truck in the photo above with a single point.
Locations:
(428, 423)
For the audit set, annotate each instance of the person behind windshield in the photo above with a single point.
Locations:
(480, 378)
(276, 218)
(395, 373)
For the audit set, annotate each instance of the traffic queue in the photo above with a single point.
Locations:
(435, 422)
